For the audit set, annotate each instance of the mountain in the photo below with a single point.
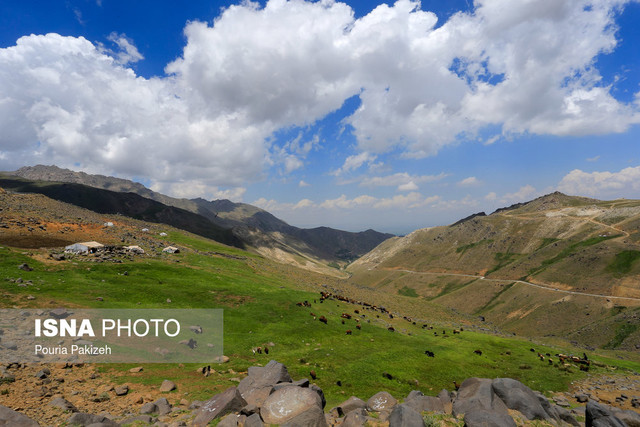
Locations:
(559, 266)
(255, 228)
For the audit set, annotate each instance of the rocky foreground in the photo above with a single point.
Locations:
(269, 396)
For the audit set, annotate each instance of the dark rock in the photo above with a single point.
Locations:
(9, 417)
(320, 393)
(477, 394)
(42, 374)
(351, 404)
(599, 416)
(485, 418)
(253, 420)
(289, 402)
(59, 313)
(228, 401)
(64, 404)
(85, 419)
(122, 390)
(269, 375)
(163, 405)
(552, 410)
(250, 410)
(25, 267)
(519, 397)
(582, 398)
(148, 408)
(566, 416)
(355, 418)
(312, 417)
(630, 418)
(381, 401)
(404, 416)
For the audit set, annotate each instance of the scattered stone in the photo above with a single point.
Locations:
(381, 401)
(9, 417)
(561, 401)
(85, 419)
(582, 398)
(477, 394)
(600, 416)
(64, 404)
(149, 408)
(254, 420)
(287, 403)
(163, 405)
(25, 267)
(355, 418)
(228, 401)
(351, 404)
(136, 369)
(122, 390)
(167, 386)
(405, 416)
(487, 418)
(42, 374)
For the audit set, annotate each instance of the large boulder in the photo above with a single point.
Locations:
(478, 394)
(445, 397)
(566, 416)
(425, 403)
(597, 415)
(381, 401)
(83, 419)
(9, 417)
(404, 416)
(287, 403)
(484, 418)
(351, 404)
(264, 376)
(228, 401)
(519, 397)
(630, 418)
(355, 418)
(312, 417)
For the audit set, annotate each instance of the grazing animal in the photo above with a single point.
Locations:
(358, 326)
(550, 361)
(312, 314)
(339, 383)
(429, 353)
(312, 374)
(343, 321)
(348, 331)
(478, 352)
(266, 350)
(391, 328)
(346, 316)
(456, 386)
(387, 375)
(356, 311)
(323, 319)
(532, 350)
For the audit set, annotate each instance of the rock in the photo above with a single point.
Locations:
(477, 394)
(64, 404)
(136, 369)
(253, 420)
(425, 403)
(599, 416)
(582, 398)
(320, 393)
(289, 402)
(561, 401)
(122, 390)
(405, 416)
(137, 419)
(351, 404)
(163, 405)
(257, 377)
(312, 417)
(257, 396)
(519, 397)
(381, 401)
(566, 416)
(355, 418)
(25, 267)
(167, 386)
(42, 374)
(250, 410)
(228, 401)
(485, 418)
(546, 405)
(59, 313)
(230, 420)
(445, 397)
(148, 408)
(631, 418)
(9, 417)
(85, 419)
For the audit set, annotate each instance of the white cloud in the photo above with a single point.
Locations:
(302, 183)
(524, 194)
(400, 179)
(409, 186)
(593, 159)
(127, 52)
(524, 67)
(469, 182)
(624, 183)
(491, 196)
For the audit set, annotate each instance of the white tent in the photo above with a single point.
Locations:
(84, 247)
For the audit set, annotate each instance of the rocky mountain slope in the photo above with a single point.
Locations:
(556, 266)
(254, 227)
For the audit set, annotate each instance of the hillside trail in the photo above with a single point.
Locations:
(544, 286)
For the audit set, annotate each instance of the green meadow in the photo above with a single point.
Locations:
(259, 302)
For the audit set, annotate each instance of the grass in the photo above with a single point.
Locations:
(623, 262)
(569, 250)
(408, 292)
(462, 249)
(622, 333)
(502, 259)
(259, 301)
(546, 242)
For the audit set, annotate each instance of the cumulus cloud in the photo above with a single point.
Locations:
(469, 182)
(623, 183)
(400, 179)
(524, 67)
(524, 194)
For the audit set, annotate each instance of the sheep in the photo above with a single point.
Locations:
(358, 327)
(349, 332)
(429, 353)
(312, 374)
(478, 352)
(323, 319)
(391, 329)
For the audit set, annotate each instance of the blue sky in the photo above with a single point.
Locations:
(355, 115)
